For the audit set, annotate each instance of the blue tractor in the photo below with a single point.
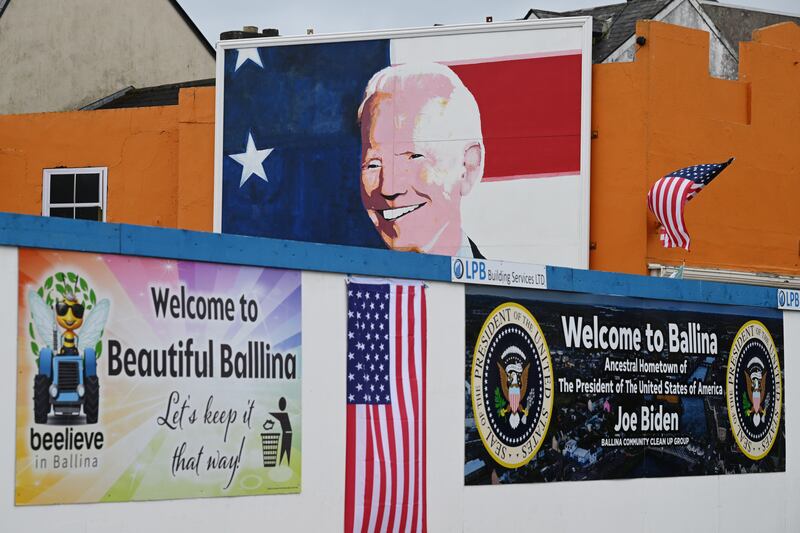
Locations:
(66, 383)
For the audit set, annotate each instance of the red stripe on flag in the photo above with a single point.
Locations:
(412, 382)
(392, 459)
(680, 204)
(530, 114)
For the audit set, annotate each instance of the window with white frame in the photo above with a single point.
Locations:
(75, 193)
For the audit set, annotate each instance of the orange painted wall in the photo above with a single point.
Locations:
(660, 113)
(663, 112)
(159, 159)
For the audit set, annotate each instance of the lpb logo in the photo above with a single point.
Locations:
(468, 269)
(788, 299)
(458, 268)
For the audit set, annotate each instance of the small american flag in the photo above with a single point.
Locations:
(385, 487)
(668, 196)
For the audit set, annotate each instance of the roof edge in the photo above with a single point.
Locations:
(189, 22)
(112, 101)
(106, 99)
(749, 8)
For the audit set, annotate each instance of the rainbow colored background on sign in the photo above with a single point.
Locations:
(135, 461)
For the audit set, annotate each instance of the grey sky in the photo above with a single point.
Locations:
(333, 16)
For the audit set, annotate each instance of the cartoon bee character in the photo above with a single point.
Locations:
(67, 377)
(69, 315)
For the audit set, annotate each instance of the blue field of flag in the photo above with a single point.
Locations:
(290, 124)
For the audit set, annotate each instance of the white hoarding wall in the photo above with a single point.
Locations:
(708, 503)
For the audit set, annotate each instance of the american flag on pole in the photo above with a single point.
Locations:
(386, 356)
(668, 196)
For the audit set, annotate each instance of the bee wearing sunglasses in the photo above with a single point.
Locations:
(69, 315)
(66, 382)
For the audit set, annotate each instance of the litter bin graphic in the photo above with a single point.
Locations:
(270, 440)
(269, 448)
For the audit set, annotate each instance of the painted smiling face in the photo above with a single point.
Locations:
(415, 169)
(69, 314)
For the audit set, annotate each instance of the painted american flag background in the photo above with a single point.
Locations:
(385, 480)
(668, 196)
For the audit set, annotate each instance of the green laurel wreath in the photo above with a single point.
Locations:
(56, 286)
(499, 401)
(746, 405)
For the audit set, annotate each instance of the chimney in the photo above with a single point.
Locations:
(248, 32)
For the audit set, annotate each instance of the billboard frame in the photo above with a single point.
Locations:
(582, 23)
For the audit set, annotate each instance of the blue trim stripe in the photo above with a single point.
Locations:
(596, 282)
(80, 235)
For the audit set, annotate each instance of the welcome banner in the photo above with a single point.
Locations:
(146, 379)
(577, 387)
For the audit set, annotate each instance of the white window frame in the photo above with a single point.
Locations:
(49, 172)
(764, 279)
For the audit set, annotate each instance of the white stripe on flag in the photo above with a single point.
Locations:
(419, 415)
(396, 414)
(679, 203)
(376, 473)
(388, 467)
(410, 421)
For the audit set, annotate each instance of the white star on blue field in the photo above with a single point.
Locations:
(244, 55)
(252, 161)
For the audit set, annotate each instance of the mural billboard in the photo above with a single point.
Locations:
(150, 379)
(566, 387)
(464, 141)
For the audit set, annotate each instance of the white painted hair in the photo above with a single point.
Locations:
(461, 114)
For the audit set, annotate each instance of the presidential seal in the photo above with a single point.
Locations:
(754, 390)
(511, 385)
